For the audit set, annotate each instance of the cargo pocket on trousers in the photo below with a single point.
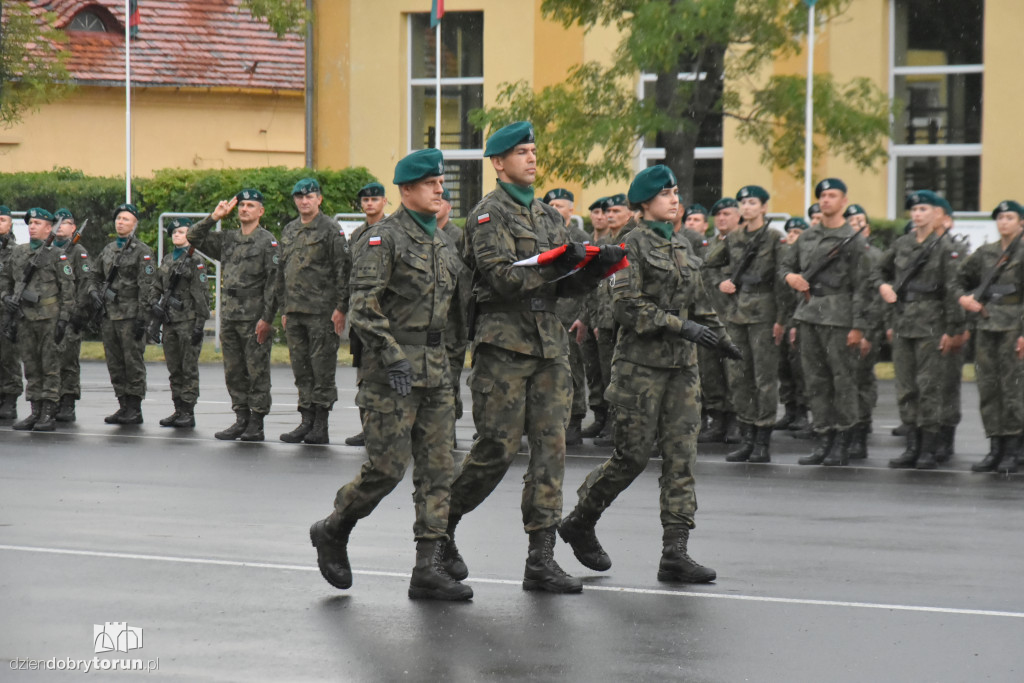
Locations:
(622, 398)
(375, 402)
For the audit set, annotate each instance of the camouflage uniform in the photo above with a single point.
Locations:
(70, 348)
(458, 344)
(10, 364)
(568, 311)
(716, 398)
(192, 290)
(792, 391)
(248, 295)
(867, 383)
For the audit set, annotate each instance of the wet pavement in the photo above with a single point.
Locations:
(846, 574)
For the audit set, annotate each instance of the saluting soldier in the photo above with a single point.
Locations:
(125, 300)
(918, 273)
(248, 260)
(181, 285)
(992, 284)
(792, 392)
(10, 365)
(654, 383)
(312, 288)
(40, 318)
(70, 349)
(403, 288)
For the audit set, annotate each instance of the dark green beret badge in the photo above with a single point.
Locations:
(178, 223)
(929, 198)
(374, 189)
(130, 208)
(620, 199)
(306, 186)
(1008, 205)
(829, 184)
(250, 195)
(41, 214)
(559, 193)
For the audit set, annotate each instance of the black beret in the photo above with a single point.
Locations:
(1008, 205)
(130, 208)
(813, 209)
(829, 184)
(755, 191)
(724, 203)
(251, 195)
(371, 190)
(559, 193)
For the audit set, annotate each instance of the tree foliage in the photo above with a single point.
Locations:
(283, 16)
(33, 64)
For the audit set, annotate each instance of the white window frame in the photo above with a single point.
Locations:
(648, 154)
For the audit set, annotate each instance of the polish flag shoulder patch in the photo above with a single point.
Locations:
(374, 241)
(63, 257)
(84, 255)
(483, 218)
(199, 266)
(147, 257)
(273, 243)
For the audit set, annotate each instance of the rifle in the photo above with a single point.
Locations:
(107, 293)
(747, 258)
(915, 267)
(983, 294)
(77, 320)
(812, 273)
(168, 300)
(22, 294)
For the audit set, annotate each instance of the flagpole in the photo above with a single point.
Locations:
(437, 88)
(809, 107)
(127, 103)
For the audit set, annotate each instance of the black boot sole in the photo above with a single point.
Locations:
(541, 585)
(328, 576)
(420, 593)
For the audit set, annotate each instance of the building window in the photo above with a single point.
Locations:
(462, 90)
(87, 20)
(937, 73)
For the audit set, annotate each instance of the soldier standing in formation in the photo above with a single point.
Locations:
(70, 347)
(792, 393)
(181, 285)
(124, 275)
(403, 288)
(314, 259)
(596, 381)
(10, 365)
(39, 320)
(249, 261)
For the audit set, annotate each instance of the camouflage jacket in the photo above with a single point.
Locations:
(653, 296)
(134, 282)
(403, 294)
(314, 268)
(515, 305)
(877, 311)
(929, 306)
(457, 336)
(53, 282)
(1004, 310)
(599, 311)
(457, 236)
(762, 293)
(569, 309)
(248, 264)
(720, 301)
(192, 289)
(841, 294)
(78, 259)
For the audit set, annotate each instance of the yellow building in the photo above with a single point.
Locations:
(374, 94)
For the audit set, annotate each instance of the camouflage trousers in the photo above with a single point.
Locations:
(579, 377)
(867, 383)
(400, 429)
(791, 374)
(513, 392)
(125, 363)
(596, 382)
(829, 374)
(182, 360)
(38, 351)
(313, 349)
(456, 364)
(653, 407)
(921, 376)
(10, 367)
(954, 367)
(70, 351)
(714, 385)
(246, 366)
(1000, 376)
(605, 351)
(754, 380)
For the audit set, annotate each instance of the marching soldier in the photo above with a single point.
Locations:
(10, 364)
(70, 349)
(249, 260)
(403, 288)
(792, 392)
(314, 258)
(457, 344)
(38, 319)
(182, 306)
(124, 275)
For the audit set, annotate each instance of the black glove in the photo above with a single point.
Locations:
(97, 300)
(139, 330)
(573, 254)
(62, 326)
(77, 323)
(400, 377)
(610, 255)
(158, 312)
(699, 334)
(728, 349)
(11, 304)
(197, 336)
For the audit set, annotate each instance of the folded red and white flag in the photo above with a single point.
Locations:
(548, 257)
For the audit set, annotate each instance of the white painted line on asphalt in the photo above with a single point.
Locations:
(506, 582)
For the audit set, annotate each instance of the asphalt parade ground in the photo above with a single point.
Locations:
(199, 550)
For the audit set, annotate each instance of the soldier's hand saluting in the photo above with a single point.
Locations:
(224, 208)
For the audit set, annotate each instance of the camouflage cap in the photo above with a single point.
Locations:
(130, 208)
(373, 189)
(250, 195)
(854, 210)
(755, 191)
(559, 193)
(63, 214)
(306, 186)
(41, 214)
(813, 209)
(178, 223)
(1008, 205)
(829, 184)
(694, 209)
(648, 183)
(506, 138)
(597, 205)
(423, 163)
(796, 223)
(929, 198)
(724, 203)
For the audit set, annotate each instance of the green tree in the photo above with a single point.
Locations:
(33, 64)
(283, 16)
(593, 121)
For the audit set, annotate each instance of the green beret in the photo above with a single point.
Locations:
(597, 205)
(250, 195)
(693, 210)
(648, 183)
(179, 223)
(755, 191)
(724, 203)
(423, 163)
(930, 198)
(130, 208)
(306, 186)
(796, 223)
(559, 193)
(446, 195)
(619, 199)
(813, 209)
(829, 184)
(606, 203)
(854, 210)
(63, 214)
(41, 214)
(1008, 205)
(5, 210)
(504, 139)
(373, 189)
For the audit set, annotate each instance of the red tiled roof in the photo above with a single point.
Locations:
(182, 43)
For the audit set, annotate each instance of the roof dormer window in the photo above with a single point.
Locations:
(87, 20)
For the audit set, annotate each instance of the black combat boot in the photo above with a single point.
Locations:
(429, 579)
(132, 411)
(254, 428)
(356, 440)
(66, 410)
(762, 445)
(574, 431)
(839, 454)
(595, 427)
(115, 418)
(786, 420)
(903, 429)
(732, 429)
(580, 535)
(332, 551)
(47, 421)
(929, 445)
(29, 421)
(713, 430)
(676, 564)
(173, 417)
(944, 451)
(822, 446)
(237, 429)
(800, 423)
(858, 449)
(299, 433)
(451, 560)
(995, 454)
(910, 455)
(8, 407)
(186, 416)
(542, 572)
(1011, 454)
(318, 434)
(742, 454)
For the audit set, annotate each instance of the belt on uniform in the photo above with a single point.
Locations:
(420, 338)
(757, 288)
(49, 301)
(1011, 300)
(532, 305)
(922, 296)
(818, 289)
(243, 291)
